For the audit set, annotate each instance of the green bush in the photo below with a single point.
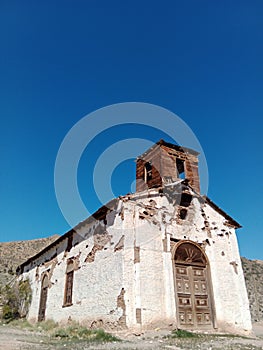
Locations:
(24, 297)
(9, 312)
(61, 333)
(77, 332)
(16, 299)
(180, 333)
(102, 336)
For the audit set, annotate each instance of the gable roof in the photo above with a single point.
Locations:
(101, 213)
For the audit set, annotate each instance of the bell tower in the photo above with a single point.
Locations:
(166, 163)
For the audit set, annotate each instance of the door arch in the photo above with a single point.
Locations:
(43, 299)
(192, 287)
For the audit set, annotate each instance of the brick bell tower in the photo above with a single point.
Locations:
(166, 163)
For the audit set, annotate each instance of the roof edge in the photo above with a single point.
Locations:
(222, 212)
(178, 148)
(161, 142)
(97, 215)
(103, 210)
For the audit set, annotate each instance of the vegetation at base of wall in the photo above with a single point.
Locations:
(20, 323)
(83, 333)
(47, 326)
(181, 333)
(16, 299)
(13, 254)
(72, 332)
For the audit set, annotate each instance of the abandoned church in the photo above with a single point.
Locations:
(164, 256)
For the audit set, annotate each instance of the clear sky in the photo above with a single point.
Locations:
(62, 59)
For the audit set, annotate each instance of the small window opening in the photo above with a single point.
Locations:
(183, 213)
(180, 168)
(186, 199)
(70, 240)
(69, 284)
(147, 171)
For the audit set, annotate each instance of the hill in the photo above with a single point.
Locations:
(253, 272)
(14, 253)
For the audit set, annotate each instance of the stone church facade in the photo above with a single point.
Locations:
(164, 256)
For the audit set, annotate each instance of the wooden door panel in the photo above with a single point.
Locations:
(185, 301)
(198, 272)
(201, 302)
(183, 285)
(192, 296)
(181, 270)
(203, 319)
(186, 318)
(200, 287)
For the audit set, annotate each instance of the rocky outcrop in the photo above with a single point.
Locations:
(253, 272)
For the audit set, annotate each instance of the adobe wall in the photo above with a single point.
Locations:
(168, 166)
(158, 225)
(123, 274)
(98, 295)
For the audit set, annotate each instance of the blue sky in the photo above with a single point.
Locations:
(61, 60)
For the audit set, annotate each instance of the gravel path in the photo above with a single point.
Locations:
(12, 338)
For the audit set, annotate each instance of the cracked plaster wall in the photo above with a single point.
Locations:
(97, 282)
(128, 279)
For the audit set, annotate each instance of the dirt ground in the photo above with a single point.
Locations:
(12, 338)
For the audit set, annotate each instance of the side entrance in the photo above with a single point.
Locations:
(43, 299)
(192, 287)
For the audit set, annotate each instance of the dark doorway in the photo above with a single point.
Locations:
(43, 299)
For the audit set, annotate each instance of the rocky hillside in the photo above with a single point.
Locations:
(14, 253)
(253, 271)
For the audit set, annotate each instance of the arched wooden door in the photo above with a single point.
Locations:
(43, 299)
(192, 287)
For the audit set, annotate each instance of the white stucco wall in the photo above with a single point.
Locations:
(96, 285)
(142, 269)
